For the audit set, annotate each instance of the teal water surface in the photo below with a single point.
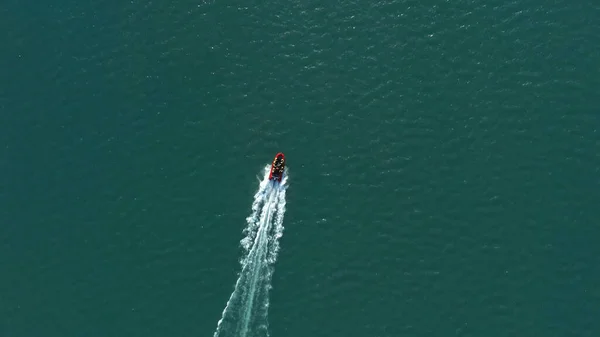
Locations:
(443, 165)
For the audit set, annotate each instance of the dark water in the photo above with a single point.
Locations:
(444, 165)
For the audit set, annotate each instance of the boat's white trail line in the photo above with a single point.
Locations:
(245, 314)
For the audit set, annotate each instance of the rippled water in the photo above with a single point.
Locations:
(445, 162)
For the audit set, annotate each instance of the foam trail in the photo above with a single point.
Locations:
(246, 311)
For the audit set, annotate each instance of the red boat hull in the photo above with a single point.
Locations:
(277, 167)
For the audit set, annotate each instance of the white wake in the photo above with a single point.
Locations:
(246, 311)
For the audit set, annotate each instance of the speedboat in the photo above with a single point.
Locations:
(277, 167)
